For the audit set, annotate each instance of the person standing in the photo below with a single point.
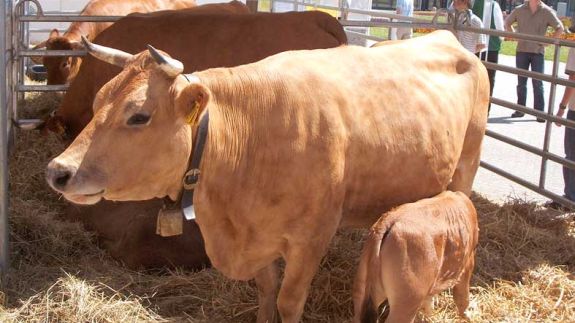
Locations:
(568, 103)
(473, 42)
(533, 17)
(492, 16)
(404, 8)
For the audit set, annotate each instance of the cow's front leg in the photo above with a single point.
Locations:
(267, 281)
(301, 266)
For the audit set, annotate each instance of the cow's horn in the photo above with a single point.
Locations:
(169, 65)
(107, 54)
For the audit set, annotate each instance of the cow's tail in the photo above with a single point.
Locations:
(369, 273)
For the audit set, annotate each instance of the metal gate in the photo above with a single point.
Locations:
(14, 49)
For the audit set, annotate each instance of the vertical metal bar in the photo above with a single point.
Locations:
(12, 112)
(547, 137)
(272, 6)
(5, 12)
(22, 40)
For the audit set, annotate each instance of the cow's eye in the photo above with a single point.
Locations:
(138, 119)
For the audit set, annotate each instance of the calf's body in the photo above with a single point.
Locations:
(414, 252)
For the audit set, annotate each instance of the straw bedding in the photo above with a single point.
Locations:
(525, 265)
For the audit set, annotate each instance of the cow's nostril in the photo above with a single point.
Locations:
(62, 178)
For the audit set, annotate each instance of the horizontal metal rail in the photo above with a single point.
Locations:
(522, 36)
(373, 13)
(526, 73)
(394, 24)
(68, 18)
(531, 149)
(45, 30)
(41, 88)
(370, 37)
(527, 184)
(533, 112)
(35, 52)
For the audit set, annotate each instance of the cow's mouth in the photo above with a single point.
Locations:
(92, 198)
(94, 194)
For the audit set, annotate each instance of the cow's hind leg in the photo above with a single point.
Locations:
(468, 163)
(267, 281)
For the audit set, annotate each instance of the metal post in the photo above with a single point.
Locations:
(5, 60)
(547, 138)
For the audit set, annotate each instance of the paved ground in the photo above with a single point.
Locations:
(525, 129)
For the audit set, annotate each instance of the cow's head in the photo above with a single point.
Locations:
(137, 145)
(58, 67)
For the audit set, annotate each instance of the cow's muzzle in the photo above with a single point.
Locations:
(58, 175)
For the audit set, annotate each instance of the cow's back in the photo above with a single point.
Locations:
(365, 129)
(201, 38)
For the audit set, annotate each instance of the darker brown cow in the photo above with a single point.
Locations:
(201, 40)
(61, 69)
(127, 231)
(414, 252)
(226, 39)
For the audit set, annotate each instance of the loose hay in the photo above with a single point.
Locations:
(524, 271)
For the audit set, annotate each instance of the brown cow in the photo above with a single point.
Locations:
(127, 231)
(414, 252)
(210, 26)
(61, 69)
(226, 40)
(299, 144)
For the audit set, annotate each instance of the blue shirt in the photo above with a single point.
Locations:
(405, 7)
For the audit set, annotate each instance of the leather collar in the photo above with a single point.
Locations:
(192, 176)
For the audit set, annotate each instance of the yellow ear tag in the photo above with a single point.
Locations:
(192, 116)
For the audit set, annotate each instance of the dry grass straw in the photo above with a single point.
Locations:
(524, 272)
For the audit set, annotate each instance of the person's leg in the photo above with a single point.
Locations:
(492, 57)
(538, 65)
(521, 61)
(569, 145)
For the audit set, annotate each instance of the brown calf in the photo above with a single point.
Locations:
(414, 252)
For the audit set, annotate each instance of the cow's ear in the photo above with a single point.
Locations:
(192, 101)
(54, 33)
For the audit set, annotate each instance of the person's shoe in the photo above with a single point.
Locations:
(517, 114)
(540, 120)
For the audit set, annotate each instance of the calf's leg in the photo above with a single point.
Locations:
(461, 289)
(267, 281)
(364, 307)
